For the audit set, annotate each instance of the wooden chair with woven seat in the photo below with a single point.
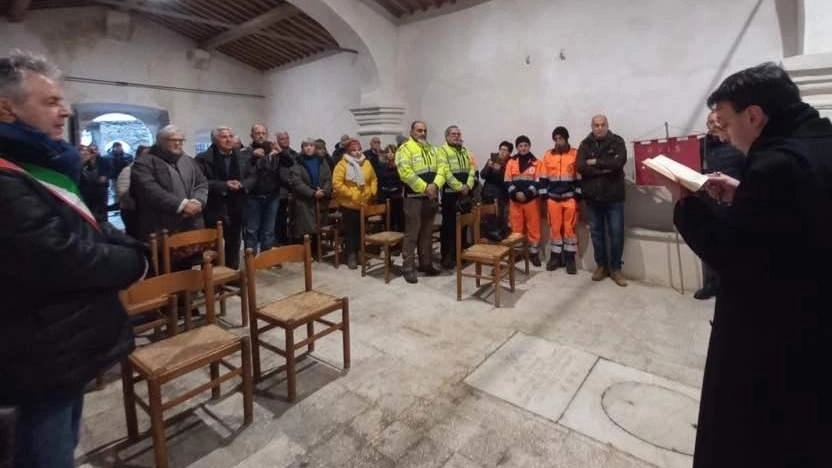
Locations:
(290, 313)
(385, 239)
(515, 241)
(224, 277)
(495, 255)
(328, 229)
(164, 361)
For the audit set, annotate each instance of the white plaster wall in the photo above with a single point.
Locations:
(314, 100)
(74, 38)
(818, 26)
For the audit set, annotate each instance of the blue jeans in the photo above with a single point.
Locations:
(606, 223)
(47, 433)
(260, 213)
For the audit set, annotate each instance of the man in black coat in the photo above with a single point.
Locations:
(765, 396)
(60, 271)
(262, 186)
(221, 165)
(601, 159)
(286, 158)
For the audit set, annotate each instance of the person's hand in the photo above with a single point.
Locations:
(465, 190)
(259, 153)
(721, 187)
(677, 190)
(319, 194)
(521, 197)
(496, 166)
(431, 191)
(233, 185)
(591, 162)
(192, 208)
(102, 180)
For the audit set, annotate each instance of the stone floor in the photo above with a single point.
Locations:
(568, 373)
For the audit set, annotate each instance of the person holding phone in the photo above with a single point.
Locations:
(493, 173)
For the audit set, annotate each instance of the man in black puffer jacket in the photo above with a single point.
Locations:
(60, 271)
(601, 159)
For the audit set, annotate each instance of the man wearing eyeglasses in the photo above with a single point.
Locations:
(169, 188)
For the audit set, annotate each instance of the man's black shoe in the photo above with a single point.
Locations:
(705, 293)
(430, 271)
(410, 277)
(535, 259)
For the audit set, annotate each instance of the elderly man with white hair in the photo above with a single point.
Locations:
(221, 165)
(170, 190)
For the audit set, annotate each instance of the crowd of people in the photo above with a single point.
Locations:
(267, 194)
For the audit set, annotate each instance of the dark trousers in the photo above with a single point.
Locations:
(281, 223)
(419, 216)
(261, 212)
(129, 218)
(47, 432)
(606, 223)
(232, 232)
(352, 230)
(447, 233)
(710, 278)
(396, 211)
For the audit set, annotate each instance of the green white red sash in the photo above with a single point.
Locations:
(61, 186)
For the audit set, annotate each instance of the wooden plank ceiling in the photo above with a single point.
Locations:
(403, 8)
(234, 28)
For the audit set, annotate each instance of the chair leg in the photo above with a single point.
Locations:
(290, 364)
(386, 263)
(345, 330)
(215, 374)
(363, 260)
(157, 424)
(526, 255)
(497, 276)
(511, 281)
(255, 346)
(129, 393)
(458, 281)
(337, 249)
(222, 305)
(248, 390)
(310, 330)
(478, 269)
(244, 299)
(319, 249)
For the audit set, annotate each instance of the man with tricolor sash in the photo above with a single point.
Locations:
(62, 321)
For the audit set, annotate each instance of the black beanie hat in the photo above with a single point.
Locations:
(562, 131)
(522, 139)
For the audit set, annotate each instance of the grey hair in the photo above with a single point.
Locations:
(215, 132)
(13, 67)
(168, 131)
(281, 133)
(450, 127)
(309, 141)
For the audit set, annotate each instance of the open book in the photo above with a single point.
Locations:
(677, 172)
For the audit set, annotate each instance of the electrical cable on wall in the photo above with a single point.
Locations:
(128, 84)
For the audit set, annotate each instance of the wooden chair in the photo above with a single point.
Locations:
(515, 241)
(328, 230)
(201, 239)
(495, 255)
(290, 313)
(385, 239)
(165, 360)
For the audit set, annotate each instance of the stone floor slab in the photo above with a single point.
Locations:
(642, 429)
(535, 374)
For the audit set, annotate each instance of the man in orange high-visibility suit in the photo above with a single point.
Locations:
(559, 186)
(522, 182)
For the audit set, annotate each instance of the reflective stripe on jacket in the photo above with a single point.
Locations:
(418, 166)
(460, 169)
(558, 174)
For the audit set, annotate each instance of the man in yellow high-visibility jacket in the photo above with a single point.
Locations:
(460, 175)
(422, 172)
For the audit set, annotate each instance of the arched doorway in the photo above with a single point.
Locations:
(113, 127)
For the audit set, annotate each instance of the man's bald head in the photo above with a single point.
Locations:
(600, 126)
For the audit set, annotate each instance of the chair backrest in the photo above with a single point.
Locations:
(275, 256)
(463, 221)
(489, 209)
(375, 210)
(172, 284)
(195, 238)
(154, 253)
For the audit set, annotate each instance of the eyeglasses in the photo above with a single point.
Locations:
(176, 140)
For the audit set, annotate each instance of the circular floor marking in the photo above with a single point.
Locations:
(659, 416)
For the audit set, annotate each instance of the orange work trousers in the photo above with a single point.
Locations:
(563, 217)
(525, 219)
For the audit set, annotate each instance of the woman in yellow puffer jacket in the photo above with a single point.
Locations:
(355, 185)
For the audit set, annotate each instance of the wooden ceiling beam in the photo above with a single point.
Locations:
(275, 15)
(133, 6)
(17, 10)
